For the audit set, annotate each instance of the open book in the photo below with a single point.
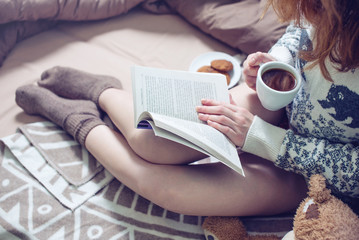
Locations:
(165, 101)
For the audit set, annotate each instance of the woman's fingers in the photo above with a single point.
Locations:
(226, 130)
(213, 107)
(231, 120)
(236, 130)
(256, 59)
(218, 112)
(251, 66)
(221, 106)
(221, 119)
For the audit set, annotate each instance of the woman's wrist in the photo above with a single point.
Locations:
(264, 139)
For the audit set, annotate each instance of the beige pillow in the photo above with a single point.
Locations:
(236, 23)
(22, 19)
(72, 10)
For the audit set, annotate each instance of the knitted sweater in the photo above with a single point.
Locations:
(324, 122)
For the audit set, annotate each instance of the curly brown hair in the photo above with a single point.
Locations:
(336, 26)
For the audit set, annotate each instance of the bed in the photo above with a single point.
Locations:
(42, 195)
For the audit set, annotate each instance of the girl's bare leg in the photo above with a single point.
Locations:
(204, 189)
(118, 105)
(211, 189)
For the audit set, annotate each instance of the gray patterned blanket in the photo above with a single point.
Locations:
(52, 188)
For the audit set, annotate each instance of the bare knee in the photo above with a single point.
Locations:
(160, 150)
(149, 147)
(141, 144)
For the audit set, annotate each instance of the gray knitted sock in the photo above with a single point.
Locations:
(76, 117)
(75, 84)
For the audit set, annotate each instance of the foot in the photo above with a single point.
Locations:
(74, 84)
(76, 117)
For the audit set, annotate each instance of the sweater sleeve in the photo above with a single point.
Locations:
(337, 162)
(264, 139)
(299, 153)
(287, 47)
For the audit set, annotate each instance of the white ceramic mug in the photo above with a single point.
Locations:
(273, 99)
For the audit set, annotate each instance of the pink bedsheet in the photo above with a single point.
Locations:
(106, 47)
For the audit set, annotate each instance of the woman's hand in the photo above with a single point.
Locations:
(230, 119)
(251, 66)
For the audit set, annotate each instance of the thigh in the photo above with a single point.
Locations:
(118, 104)
(203, 189)
(161, 150)
(270, 190)
(265, 190)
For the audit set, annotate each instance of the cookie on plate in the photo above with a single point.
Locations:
(222, 65)
(209, 69)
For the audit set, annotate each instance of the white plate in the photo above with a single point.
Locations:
(206, 58)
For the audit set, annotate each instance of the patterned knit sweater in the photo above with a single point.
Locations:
(323, 118)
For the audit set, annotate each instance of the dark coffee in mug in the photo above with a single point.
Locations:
(279, 79)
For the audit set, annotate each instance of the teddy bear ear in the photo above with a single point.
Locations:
(318, 190)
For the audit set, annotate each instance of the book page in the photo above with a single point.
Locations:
(165, 100)
(198, 136)
(160, 132)
(175, 93)
(208, 139)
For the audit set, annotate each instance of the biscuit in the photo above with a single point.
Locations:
(228, 77)
(222, 65)
(207, 69)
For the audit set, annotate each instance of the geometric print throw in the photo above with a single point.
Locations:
(68, 194)
(42, 197)
(36, 202)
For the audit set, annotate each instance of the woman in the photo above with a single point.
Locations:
(158, 169)
(323, 120)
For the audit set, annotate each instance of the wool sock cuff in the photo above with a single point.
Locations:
(80, 124)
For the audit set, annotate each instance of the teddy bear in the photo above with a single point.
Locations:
(319, 216)
(229, 228)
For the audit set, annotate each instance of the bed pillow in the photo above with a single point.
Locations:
(23, 18)
(73, 10)
(236, 23)
(13, 32)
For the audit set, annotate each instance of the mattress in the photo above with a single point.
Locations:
(109, 47)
